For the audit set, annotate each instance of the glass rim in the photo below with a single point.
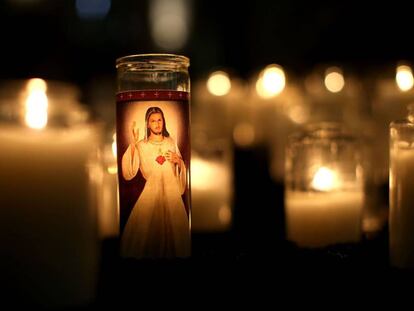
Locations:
(322, 132)
(401, 123)
(152, 58)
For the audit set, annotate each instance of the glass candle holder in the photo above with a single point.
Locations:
(153, 146)
(48, 147)
(324, 187)
(401, 216)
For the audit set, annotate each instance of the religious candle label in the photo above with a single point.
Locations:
(153, 146)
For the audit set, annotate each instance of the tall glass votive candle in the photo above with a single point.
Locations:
(153, 147)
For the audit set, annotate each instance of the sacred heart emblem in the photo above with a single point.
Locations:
(160, 159)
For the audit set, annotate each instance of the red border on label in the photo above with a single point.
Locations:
(151, 95)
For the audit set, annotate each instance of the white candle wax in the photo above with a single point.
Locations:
(47, 224)
(402, 208)
(319, 219)
(211, 195)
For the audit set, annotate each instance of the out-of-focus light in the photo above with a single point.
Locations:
(93, 9)
(334, 80)
(298, 114)
(219, 83)
(325, 179)
(36, 104)
(271, 82)
(169, 20)
(244, 134)
(202, 173)
(114, 145)
(404, 78)
(36, 84)
(224, 214)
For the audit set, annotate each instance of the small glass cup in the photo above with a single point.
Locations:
(324, 187)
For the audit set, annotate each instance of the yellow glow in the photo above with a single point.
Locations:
(404, 78)
(334, 80)
(298, 114)
(271, 82)
(36, 104)
(36, 84)
(113, 169)
(114, 145)
(325, 179)
(202, 174)
(243, 134)
(169, 20)
(219, 83)
(224, 214)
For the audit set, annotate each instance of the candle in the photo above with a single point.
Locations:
(108, 206)
(211, 195)
(318, 219)
(47, 224)
(401, 195)
(324, 195)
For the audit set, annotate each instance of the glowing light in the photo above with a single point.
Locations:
(219, 83)
(404, 78)
(244, 134)
(114, 145)
(298, 114)
(202, 174)
(169, 23)
(113, 169)
(36, 104)
(93, 9)
(334, 80)
(36, 84)
(224, 214)
(325, 179)
(271, 82)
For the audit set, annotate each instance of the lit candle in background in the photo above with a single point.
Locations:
(218, 103)
(324, 217)
(278, 108)
(108, 205)
(47, 223)
(211, 195)
(324, 195)
(401, 231)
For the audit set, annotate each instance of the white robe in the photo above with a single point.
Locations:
(158, 226)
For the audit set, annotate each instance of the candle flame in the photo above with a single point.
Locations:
(404, 78)
(334, 80)
(36, 104)
(219, 83)
(325, 179)
(271, 82)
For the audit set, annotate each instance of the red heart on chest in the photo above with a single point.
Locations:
(160, 159)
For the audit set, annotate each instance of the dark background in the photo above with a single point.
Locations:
(48, 39)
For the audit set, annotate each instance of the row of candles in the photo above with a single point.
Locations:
(59, 175)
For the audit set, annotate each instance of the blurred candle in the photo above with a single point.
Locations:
(108, 206)
(324, 190)
(324, 217)
(401, 193)
(211, 193)
(47, 224)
